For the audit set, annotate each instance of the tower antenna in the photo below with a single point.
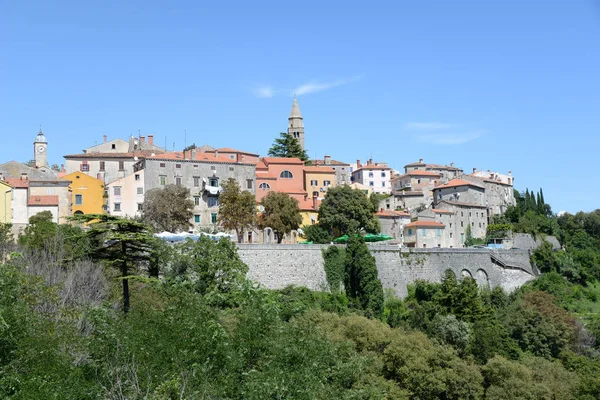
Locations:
(184, 138)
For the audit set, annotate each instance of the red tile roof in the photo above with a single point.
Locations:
(281, 160)
(17, 183)
(372, 166)
(202, 157)
(392, 213)
(416, 164)
(425, 224)
(457, 183)
(324, 170)
(42, 201)
(423, 173)
(142, 154)
(331, 162)
(438, 211)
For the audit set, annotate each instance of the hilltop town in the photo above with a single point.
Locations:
(424, 205)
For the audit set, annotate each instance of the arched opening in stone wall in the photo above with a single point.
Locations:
(294, 236)
(482, 279)
(447, 273)
(465, 274)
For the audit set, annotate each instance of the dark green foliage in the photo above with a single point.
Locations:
(287, 146)
(361, 281)
(119, 243)
(317, 234)
(376, 198)
(281, 213)
(237, 209)
(334, 258)
(6, 240)
(345, 209)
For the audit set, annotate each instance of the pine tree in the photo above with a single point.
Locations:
(287, 146)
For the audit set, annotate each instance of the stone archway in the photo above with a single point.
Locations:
(481, 277)
(465, 273)
(268, 236)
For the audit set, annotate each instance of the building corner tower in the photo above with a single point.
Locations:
(40, 147)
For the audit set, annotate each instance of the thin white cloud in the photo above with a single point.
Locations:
(429, 126)
(449, 139)
(314, 86)
(264, 92)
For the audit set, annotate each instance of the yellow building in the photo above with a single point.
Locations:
(87, 193)
(5, 202)
(317, 180)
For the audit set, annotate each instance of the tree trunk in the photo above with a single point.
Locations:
(125, 287)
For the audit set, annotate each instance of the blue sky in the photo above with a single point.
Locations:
(506, 85)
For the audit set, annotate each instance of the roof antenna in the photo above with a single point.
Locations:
(184, 138)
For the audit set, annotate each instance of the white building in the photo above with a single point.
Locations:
(126, 195)
(376, 175)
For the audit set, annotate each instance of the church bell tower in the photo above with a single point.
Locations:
(295, 124)
(40, 145)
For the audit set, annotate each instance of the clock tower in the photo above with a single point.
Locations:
(40, 145)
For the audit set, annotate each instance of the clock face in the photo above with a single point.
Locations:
(41, 149)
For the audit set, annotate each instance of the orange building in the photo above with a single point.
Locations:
(285, 175)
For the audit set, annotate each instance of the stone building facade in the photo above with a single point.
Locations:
(342, 170)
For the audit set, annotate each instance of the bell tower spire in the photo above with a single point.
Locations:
(296, 124)
(40, 145)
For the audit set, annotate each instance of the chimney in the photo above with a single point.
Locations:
(193, 151)
(358, 165)
(370, 161)
(452, 164)
(315, 202)
(327, 160)
(474, 170)
(151, 140)
(105, 138)
(238, 157)
(420, 161)
(509, 173)
(142, 139)
(216, 153)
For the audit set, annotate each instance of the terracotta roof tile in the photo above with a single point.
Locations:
(457, 183)
(425, 224)
(324, 170)
(372, 166)
(281, 160)
(202, 157)
(415, 164)
(42, 201)
(392, 213)
(17, 183)
(423, 173)
(142, 154)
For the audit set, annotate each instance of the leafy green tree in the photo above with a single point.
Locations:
(6, 240)
(361, 279)
(345, 209)
(287, 146)
(281, 213)
(376, 199)
(40, 230)
(119, 243)
(237, 209)
(333, 262)
(316, 234)
(449, 330)
(169, 208)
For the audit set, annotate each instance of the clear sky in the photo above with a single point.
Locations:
(500, 85)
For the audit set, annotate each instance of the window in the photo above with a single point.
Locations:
(370, 174)
(383, 174)
(213, 201)
(178, 166)
(85, 167)
(450, 235)
(439, 232)
(249, 184)
(382, 184)
(78, 199)
(178, 180)
(286, 174)
(371, 183)
(214, 182)
(231, 156)
(117, 206)
(231, 169)
(140, 206)
(326, 183)
(423, 232)
(197, 218)
(462, 224)
(113, 146)
(102, 165)
(480, 224)
(462, 237)
(195, 165)
(196, 181)
(450, 224)
(140, 190)
(121, 165)
(469, 213)
(162, 179)
(461, 214)
(196, 200)
(162, 165)
(137, 177)
(473, 224)
(117, 190)
(264, 186)
(213, 218)
(409, 232)
(213, 168)
(315, 194)
(314, 183)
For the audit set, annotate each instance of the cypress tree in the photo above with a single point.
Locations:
(361, 280)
